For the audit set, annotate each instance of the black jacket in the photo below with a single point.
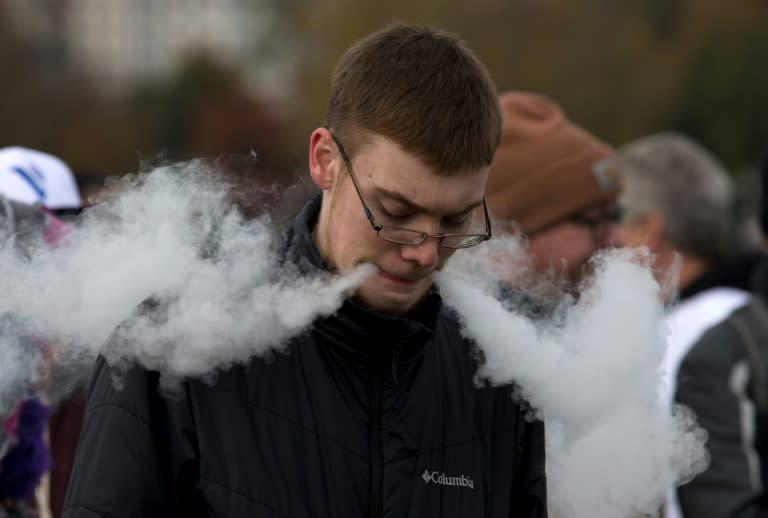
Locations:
(367, 415)
(718, 379)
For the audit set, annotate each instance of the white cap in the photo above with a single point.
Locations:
(31, 176)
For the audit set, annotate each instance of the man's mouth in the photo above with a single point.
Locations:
(405, 281)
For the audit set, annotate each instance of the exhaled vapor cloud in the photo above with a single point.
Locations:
(219, 292)
(191, 287)
(593, 377)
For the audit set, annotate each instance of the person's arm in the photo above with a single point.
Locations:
(529, 493)
(136, 455)
(712, 381)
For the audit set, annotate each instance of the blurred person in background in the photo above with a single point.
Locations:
(41, 197)
(724, 379)
(38, 178)
(677, 202)
(24, 453)
(375, 412)
(558, 185)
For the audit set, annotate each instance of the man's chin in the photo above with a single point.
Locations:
(390, 304)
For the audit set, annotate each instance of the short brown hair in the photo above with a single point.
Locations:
(421, 88)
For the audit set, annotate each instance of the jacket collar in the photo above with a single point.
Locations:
(734, 272)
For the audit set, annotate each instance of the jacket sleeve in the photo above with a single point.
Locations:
(712, 381)
(530, 486)
(137, 454)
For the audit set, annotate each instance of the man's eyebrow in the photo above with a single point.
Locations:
(399, 198)
(411, 205)
(469, 208)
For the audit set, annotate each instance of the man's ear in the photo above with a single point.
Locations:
(322, 158)
(655, 227)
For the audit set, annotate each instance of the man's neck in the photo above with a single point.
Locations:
(320, 235)
(691, 269)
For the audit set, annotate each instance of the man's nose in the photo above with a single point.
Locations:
(426, 254)
(611, 236)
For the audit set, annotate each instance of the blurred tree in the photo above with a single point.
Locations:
(48, 105)
(610, 71)
(620, 69)
(723, 102)
(204, 110)
(165, 109)
(233, 122)
(664, 17)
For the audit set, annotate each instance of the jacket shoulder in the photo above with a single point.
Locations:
(137, 454)
(718, 348)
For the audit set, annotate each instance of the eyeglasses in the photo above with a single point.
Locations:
(614, 216)
(406, 236)
(599, 225)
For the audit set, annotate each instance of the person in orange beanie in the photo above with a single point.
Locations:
(555, 183)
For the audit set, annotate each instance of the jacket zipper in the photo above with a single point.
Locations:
(375, 446)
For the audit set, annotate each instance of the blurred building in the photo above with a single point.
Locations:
(119, 43)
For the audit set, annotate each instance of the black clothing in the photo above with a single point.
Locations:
(713, 380)
(735, 272)
(723, 379)
(366, 415)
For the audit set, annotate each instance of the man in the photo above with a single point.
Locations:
(724, 379)
(677, 202)
(374, 412)
(556, 184)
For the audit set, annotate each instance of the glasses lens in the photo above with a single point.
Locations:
(462, 241)
(402, 235)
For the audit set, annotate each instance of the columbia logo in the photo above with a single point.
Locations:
(441, 479)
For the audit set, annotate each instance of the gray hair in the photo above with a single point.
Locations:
(670, 173)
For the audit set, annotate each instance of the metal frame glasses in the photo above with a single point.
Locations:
(406, 236)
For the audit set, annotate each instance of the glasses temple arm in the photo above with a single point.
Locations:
(487, 219)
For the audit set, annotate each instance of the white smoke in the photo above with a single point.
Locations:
(593, 377)
(220, 293)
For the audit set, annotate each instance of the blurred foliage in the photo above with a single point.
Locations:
(620, 68)
(204, 111)
(47, 105)
(724, 101)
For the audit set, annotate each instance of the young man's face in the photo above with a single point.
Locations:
(401, 191)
